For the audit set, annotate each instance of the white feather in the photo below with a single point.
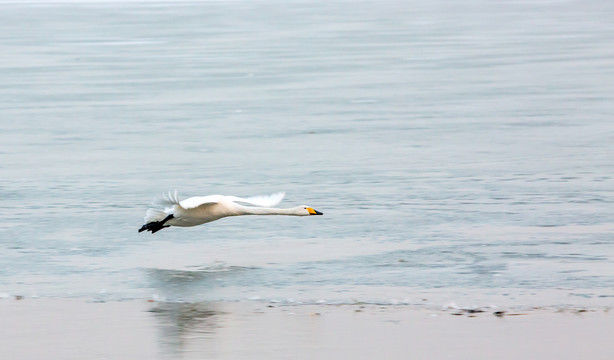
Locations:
(262, 200)
(154, 215)
(167, 200)
(196, 201)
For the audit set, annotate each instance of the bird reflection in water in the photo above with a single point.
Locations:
(187, 324)
(184, 326)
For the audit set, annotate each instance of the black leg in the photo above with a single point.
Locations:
(167, 219)
(156, 226)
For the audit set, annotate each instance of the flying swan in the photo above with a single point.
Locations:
(203, 209)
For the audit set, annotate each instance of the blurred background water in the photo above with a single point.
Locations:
(453, 146)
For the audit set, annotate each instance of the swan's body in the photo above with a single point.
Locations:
(203, 209)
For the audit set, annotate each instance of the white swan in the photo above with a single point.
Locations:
(203, 209)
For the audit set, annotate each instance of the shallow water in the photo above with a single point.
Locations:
(463, 148)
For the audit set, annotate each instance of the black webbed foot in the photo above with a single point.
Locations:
(156, 226)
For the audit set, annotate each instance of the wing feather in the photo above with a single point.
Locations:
(167, 200)
(170, 199)
(262, 200)
(196, 201)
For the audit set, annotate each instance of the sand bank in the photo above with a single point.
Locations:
(74, 329)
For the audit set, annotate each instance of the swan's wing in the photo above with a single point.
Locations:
(262, 200)
(196, 201)
(169, 200)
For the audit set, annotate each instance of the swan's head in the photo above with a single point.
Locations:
(305, 210)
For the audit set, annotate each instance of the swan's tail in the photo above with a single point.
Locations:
(153, 215)
(156, 218)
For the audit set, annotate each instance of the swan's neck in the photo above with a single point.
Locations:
(245, 210)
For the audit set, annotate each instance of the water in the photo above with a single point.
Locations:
(462, 149)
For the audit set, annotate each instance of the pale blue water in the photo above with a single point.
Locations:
(454, 147)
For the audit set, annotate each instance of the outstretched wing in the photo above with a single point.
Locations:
(167, 200)
(196, 201)
(262, 200)
(170, 199)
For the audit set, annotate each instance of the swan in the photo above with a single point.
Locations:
(203, 209)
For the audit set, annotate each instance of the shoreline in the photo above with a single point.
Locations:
(78, 329)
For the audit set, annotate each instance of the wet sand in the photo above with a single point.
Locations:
(74, 329)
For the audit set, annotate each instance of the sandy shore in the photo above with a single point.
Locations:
(74, 329)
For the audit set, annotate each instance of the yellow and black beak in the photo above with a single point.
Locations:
(314, 212)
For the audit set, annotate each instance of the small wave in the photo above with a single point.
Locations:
(196, 271)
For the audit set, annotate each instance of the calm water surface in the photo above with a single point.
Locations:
(454, 147)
